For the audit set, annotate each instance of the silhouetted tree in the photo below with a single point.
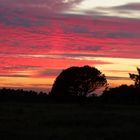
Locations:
(136, 78)
(78, 82)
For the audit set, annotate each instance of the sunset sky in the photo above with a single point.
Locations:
(39, 38)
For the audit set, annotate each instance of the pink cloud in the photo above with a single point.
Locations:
(74, 35)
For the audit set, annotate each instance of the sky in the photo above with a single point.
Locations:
(40, 38)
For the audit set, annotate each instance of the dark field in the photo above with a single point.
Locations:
(39, 121)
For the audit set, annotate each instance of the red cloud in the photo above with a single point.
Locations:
(74, 35)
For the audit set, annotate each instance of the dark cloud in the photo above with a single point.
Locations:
(115, 34)
(19, 20)
(108, 33)
(83, 55)
(14, 75)
(96, 13)
(18, 67)
(49, 72)
(88, 48)
(123, 34)
(59, 56)
(75, 29)
(30, 13)
(41, 85)
(45, 6)
(129, 6)
(117, 78)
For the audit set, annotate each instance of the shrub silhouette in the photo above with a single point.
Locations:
(122, 94)
(136, 78)
(19, 95)
(78, 82)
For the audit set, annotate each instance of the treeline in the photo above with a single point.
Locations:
(123, 94)
(74, 85)
(18, 95)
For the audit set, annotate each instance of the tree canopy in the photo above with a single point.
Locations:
(78, 81)
(136, 78)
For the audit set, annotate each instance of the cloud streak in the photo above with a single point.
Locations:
(129, 6)
(127, 10)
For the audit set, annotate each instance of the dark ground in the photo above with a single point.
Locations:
(38, 121)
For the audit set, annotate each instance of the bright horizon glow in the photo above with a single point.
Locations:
(90, 4)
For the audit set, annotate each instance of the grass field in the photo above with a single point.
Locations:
(37, 121)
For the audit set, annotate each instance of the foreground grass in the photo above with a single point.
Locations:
(24, 121)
